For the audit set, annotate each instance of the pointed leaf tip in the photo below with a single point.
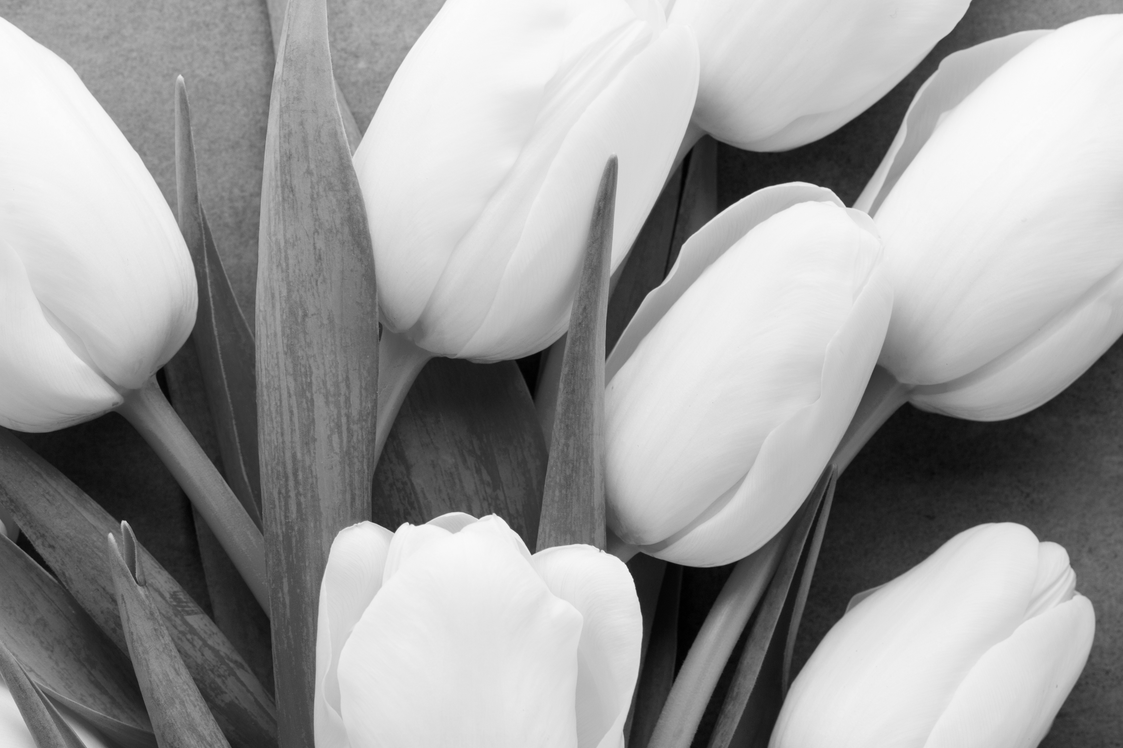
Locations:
(573, 499)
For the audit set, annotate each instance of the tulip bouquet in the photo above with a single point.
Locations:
(501, 433)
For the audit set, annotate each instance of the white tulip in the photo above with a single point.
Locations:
(976, 647)
(780, 74)
(1000, 209)
(480, 168)
(733, 384)
(451, 634)
(97, 289)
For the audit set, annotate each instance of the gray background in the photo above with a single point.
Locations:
(921, 480)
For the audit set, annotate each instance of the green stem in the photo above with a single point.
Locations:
(715, 641)
(152, 415)
(399, 363)
(883, 396)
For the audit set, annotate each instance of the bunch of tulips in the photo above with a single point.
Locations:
(496, 209)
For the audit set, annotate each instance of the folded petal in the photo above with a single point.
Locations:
(351, 578)
(46, 385)
(600, 587)
(463, 646)
(1010, 697)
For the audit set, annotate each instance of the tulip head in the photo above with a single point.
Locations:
(777, 75)
(97, 290)
(976, 647)
(1001, 208)
(453, 634)
(480, 168)
(732, 386)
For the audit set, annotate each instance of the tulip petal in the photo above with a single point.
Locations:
(351, 578)
(99, 242)
(45, 384)
(886, 672)
(1009, 214)
(1014, 691)
(463, 646)
(958, 75)
(454, 522)
(408, 540)
(639, 117)
(700, 251)
(600, 587)
(1056, 581)
(778, 75)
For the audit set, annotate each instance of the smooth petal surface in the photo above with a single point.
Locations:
(776, 75)
(351, 579)
(1010, 697)
(46, 386)
(99, 243)
(888, 670)
(1008, 217)
(600, 587)
(14, 733)
(463, 646)
(489, 215)
(685, 424)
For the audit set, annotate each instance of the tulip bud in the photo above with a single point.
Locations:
(480, 168)
(97, 290)
(1000, 207)
(978, 646)
(776, 75)
(14, 733)
(451, 633)
(735, 381)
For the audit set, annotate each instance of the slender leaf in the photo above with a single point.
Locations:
(180, 719)
(659, 663)
(699, 196)
(43, 721)
(573, 499)
(68, 529)
(317, 351)
(221, 336)
(754, 698)
(461, 443)
(64, 652)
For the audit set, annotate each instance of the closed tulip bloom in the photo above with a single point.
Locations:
(480, 168)
(452, 634)
(776, 75)
(977, 647)
(732, 386)
(97, 290)
(1001, 208)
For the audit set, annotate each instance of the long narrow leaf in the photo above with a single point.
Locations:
(317, 351)
(573, 499)
(43, 721)
(699, 196)
(68, 529)
(179, 716)
(659, 663)
(754, 698)
(222, 337)
(66, 654)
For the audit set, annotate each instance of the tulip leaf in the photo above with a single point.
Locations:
(466, 440)
(64, 652)
(698, 204)
(222, 337)
(573, 499)
(659, 660)
(180, 719)
(68, 529)
(756, 694)
(43, 721)
(317, 350)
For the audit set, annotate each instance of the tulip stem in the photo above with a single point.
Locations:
(399, 363)
(714, 644)
(153, 416)
(883, 396)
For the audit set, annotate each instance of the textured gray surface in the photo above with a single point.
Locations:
(921, 480)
